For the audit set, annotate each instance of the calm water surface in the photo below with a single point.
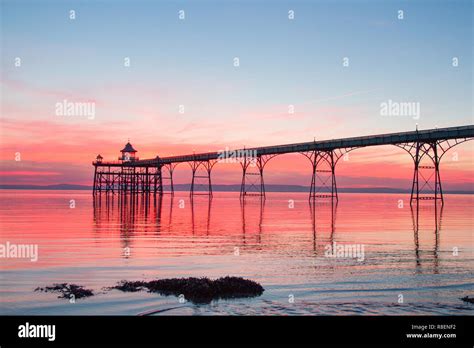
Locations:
(280, 244)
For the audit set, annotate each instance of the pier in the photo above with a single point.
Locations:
(131, 175)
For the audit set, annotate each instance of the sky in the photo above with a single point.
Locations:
(172, 86)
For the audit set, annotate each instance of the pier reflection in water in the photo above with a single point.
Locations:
(147, 213)
(430, 218)
(144, 213)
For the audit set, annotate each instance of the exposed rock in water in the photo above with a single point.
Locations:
(468, 299)
(129, 286)
(197, 290)
(66, 290)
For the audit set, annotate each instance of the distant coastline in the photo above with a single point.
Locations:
(233, 188)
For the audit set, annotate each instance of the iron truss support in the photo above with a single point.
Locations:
(105, 179)
(124, 180)
(169, 169)
(252, 175)
(94, 185)
(201, 181)
(156, 182)
(323, 179)
(426, 184)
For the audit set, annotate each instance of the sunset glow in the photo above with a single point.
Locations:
(169, 100)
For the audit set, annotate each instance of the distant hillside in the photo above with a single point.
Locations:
(231, 188)
(46, 187)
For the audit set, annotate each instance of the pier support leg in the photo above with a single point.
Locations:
(426, 176)
(158, 181)
(100, 180)
(170, 169)
(253, 183)
(127, 180)
(252, 178)
(94, 187)
(426, 184)
(108, 181)
(201, 181)
(323, 179)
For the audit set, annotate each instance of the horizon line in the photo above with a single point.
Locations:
(236, 188)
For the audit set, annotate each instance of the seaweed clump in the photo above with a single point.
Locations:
(127, 286)
(66, 290)
(197, 290)
(468, 299)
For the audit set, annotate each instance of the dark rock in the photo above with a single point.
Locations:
(468, 299)
(128, 286)
(197, 290)
(66, 290)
